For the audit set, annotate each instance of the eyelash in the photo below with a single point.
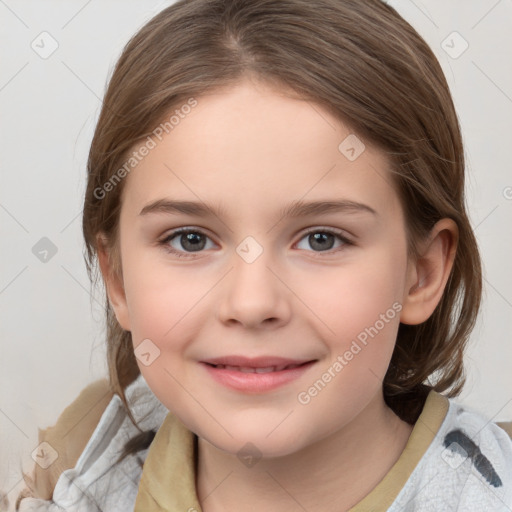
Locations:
(165, 242)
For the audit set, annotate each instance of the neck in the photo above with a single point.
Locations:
(333, 474)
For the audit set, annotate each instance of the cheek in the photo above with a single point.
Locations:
(163, 304)
(160, 296)
(352, 298)
(362, 312)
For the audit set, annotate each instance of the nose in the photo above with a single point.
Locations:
(254, 295)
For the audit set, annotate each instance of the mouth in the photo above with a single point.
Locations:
(256, 369)
(255, 375)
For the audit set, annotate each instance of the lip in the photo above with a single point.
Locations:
(254, 362)
(255, 375)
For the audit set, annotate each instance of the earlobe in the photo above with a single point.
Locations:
(113, 282)
(429, 274)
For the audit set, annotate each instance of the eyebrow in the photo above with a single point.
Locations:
(293, 210)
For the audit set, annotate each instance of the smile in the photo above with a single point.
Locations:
(255, 377)
(249, 369)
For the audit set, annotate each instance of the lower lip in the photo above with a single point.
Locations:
(256, 382)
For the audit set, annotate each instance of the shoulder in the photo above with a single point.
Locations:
(111, 485)
(68, 437)
(467, 466)
(464, 422)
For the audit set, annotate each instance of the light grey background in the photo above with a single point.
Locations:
(51, 326)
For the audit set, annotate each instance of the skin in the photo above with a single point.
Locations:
(252, 149)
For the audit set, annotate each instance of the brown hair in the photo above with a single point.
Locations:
(363, 63)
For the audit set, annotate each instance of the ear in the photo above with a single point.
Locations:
(429, 273)
(110, 265)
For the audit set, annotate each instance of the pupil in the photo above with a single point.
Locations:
(194, 239)
(319, 238)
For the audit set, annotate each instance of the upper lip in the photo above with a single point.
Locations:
(255, 362)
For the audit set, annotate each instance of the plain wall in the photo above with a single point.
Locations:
(52, 339)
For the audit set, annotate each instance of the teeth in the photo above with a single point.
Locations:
(245, 369)
(265, 370)
(242, 369)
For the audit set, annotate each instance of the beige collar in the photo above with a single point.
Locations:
(168, 476)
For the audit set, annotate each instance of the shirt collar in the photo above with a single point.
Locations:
(168, 481)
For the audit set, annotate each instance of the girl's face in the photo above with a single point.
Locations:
(268, 276)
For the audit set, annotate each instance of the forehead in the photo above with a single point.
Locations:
(251, 146)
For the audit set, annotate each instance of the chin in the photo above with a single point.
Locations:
(258, 444)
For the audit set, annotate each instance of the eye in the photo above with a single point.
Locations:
(184, 242)
(191, 240)
(324, 239)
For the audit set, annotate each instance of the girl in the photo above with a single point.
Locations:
(276, 202)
